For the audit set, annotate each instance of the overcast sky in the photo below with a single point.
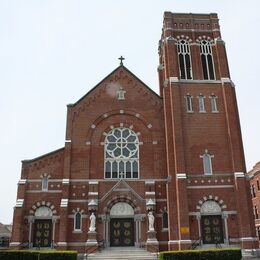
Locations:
(52, 52)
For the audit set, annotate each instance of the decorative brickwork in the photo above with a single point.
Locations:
(187, 182)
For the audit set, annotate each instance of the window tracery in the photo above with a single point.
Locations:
(183, 48)
(121, 154)
(207, 59)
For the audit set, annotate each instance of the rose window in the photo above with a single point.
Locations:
(121, 154)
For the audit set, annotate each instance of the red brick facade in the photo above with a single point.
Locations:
(254, 176)
(190, 162)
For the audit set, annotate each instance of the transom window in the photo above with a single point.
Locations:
(121, 154)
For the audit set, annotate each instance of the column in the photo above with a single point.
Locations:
(199, 226)
(30, 221)
(225, 217)
(53, 232)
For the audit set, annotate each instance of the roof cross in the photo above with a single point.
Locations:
(121, 60)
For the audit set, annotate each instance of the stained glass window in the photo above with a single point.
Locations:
(121, 154)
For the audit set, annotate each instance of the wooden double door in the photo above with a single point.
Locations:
(42, 233)
(122, 232)
(212, 229)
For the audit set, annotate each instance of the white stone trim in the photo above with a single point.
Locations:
(155, 142)
(43, 191)
(22, 181)
(173, 79)
(93, 182)
(92, 193)
(62, 243)
(248, 239)
(149, 182)
(181, 176)
(67, 141)
(78, 201)
(88, 143)
(15, 243)
(239, 174)
(150, 193)
(187, 241)
(225, 80)
(19, 203)
(64, 203)
(76, 243)
(65, 181)
(211, 187)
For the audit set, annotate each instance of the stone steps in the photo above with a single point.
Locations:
(122, 253)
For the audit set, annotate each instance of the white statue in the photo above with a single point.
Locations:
(92, 226)
(151, 221)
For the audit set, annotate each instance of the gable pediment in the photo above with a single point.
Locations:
(122, 186)
(121, 79)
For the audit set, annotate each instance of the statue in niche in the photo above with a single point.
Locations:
(151, 221)
(92, 226)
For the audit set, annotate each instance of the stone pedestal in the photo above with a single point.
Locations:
(92, 244)
(152, 244)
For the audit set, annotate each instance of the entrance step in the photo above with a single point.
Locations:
(123, 253)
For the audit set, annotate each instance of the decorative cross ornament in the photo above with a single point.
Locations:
(121, 94)
(121, 60)
(121, 175)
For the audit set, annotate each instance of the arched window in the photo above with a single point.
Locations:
(77, 221)
(165, 220)
(121, 154)
(207, 164)
(184, 59)
(188, 98)
(207, 60)
(213, 101)
(45, 183)
(201, 103)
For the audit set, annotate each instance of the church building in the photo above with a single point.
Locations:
(141, 169)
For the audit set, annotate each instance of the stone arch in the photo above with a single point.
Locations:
(122, 209)
(119, 198)
(116, 112)
(43, 204)
(216, 199)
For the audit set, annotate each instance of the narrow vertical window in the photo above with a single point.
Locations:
(201, 103)
(258, 186)
(253, 190)
(77, 221)
(45, 183)
(256, 212)
(207, 163)
(207, 60)
(165, 220)
(189, 103)
(184, 59)
(213, 102)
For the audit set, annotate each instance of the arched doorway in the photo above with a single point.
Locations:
(42, 233)
(211, 223)
(122, 225)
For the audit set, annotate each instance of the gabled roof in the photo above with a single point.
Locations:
(119, 67)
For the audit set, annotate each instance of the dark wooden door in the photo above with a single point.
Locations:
(122, 232)
(42, 233)
(212, 230)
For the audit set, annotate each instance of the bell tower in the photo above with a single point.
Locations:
(205, 158)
